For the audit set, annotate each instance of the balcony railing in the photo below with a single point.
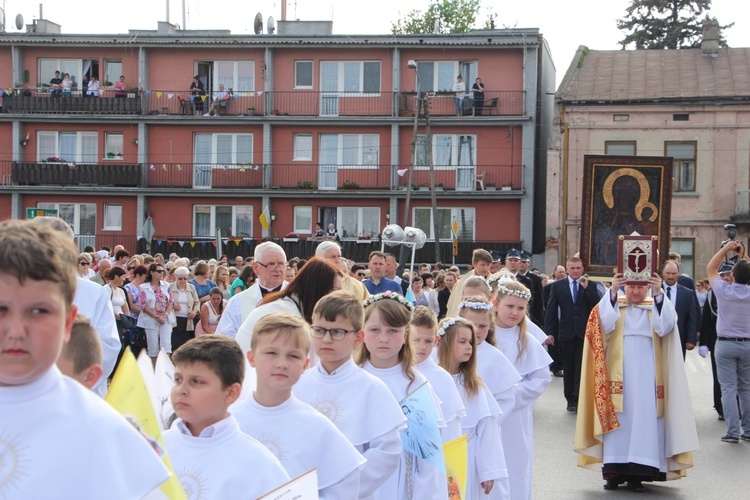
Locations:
(257, 176)
(70, 174)
(274, 103)
(742, 209)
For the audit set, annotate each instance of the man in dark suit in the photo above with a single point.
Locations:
(683, 280)
(534, 284)
(685, 304)
(556, 367)
(575, 297)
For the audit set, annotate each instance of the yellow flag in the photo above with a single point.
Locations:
(129, 396)
(265, 218)
(456, 454)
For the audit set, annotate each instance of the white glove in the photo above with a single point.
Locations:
(703, 351)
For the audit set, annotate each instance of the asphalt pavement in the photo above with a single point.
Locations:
(721, 470)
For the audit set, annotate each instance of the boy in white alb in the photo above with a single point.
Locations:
(300, 436)
(211, 456)
(56, 437)
(423, 338)
(360, 405)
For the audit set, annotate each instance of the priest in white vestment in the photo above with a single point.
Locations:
(635, 422)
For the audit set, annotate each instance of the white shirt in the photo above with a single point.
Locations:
(238, 308)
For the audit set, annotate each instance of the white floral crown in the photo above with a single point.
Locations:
(499, 279)
(388, 295)
(516, 293)
(478, 306)
(449, 323)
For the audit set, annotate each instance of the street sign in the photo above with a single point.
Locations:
(40, 212)
(454, 226)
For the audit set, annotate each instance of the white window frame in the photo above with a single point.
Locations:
(110, 141)
(45, 135)
(212, 224)
(75, 223)
(360, 221)
(301, 151)
(297, 85)
(111, 78)
(680, 163)
(619, 147)
(434, 85)
(341, 79)
(235, 86)
(112, 211)
(367, 158)
(302, 212)
(455, 150)
(454, 214)
(59, 63)
(687, 258)
(234, 163)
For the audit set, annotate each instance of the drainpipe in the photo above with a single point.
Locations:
(565, 169)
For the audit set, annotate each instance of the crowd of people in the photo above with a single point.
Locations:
(333, 343)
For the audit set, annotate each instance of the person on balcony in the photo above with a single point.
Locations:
(318, 233)
(478, 89)
(93, 88)
(120, 87)
(332, 233)
(221, 98)
(66, 85)
(197, 90)
(54, 84)
(460, 89)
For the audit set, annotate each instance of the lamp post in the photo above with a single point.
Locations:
(423, 100)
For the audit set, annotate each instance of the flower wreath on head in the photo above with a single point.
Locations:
(516, 293)
(388, 295)
(453, 321)
(499, 279)
(477, 306)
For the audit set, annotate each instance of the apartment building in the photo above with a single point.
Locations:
(314, 127)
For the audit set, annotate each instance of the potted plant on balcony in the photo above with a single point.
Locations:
(439, 187)
(349, 185)
(291, 237)
(424, 187)
(490, 186)
(250, 110)
(364, 238)
(506, 187)
(305, 185)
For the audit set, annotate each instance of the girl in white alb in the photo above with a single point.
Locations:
(486, 465)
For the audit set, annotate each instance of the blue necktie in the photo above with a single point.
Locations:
(575, 290)
(669, 292)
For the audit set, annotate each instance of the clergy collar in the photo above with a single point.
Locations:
(214, 430)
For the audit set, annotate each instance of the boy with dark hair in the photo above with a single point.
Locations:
(208, 378)
(81, 358)
(279, 352)
(481, 260)
(61, 436)
(348, 395)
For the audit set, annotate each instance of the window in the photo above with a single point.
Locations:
(236, 75)
(621, 118)
(686, 249)
(358, 221)
(303, 74)
(303, 219)
(233, 220)
(447, 151)
(227, 149)
(302, 147)
(350, 76)
(619, 148)
(464, 216)
(80, 216)
(112, 217)
(47, 68)
(74, 147)
(112, 71)
(437, 76)
(352, 150)
(681, 117)
(683, 170)
(113, 146)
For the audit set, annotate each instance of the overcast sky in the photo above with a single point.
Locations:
(565, 24)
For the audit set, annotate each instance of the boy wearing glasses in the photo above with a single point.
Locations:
(279, 353)
(348, 395)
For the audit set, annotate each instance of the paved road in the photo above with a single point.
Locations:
(721, 471)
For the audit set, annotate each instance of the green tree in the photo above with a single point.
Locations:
(665, 24)
(455, 16)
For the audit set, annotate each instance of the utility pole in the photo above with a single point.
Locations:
(433, 197)
(413, 158)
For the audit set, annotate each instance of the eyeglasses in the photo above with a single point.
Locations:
(159, 271)
(84, 263)
(272, 266)
(130, 268)
(318, 332)
(362, 275)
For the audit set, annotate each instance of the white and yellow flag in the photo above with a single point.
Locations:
(265, 218)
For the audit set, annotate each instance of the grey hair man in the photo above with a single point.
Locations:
(331, 251)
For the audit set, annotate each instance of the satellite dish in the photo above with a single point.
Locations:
(392, 235)
(258, 24)
(271, 26)
(19, 22)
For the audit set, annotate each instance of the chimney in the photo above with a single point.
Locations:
(711, 38)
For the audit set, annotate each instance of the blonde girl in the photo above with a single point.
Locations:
(386, 353)
(532, 363)
(486, 465)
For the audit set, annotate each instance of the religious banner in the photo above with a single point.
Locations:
(303, 487)
(457, 466)
(422, 437)
(637, 258)
(622, 195)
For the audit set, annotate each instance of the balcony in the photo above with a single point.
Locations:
(741, 214)
(299, 103)
(205, 175)
(71, 174)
